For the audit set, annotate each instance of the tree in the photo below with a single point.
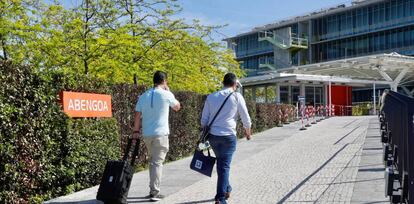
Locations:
(18, 23)
(115, 40)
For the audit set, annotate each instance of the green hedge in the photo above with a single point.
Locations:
(45, 154)
(361, 109)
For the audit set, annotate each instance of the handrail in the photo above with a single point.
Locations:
(283, 42)
(397, 134)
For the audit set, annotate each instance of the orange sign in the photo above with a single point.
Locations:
(77, 104)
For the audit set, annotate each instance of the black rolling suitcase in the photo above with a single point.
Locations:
(117, 177)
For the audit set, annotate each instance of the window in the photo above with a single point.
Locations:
(318, 96)
(248, 93)
(295, 94)
(271, 94)
(260, 94)
(309, 95)
(284, 94)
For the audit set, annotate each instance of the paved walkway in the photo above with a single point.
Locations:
(335, 161)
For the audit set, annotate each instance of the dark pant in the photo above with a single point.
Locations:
(223, 147)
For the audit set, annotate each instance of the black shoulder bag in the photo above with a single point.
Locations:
(200, 162)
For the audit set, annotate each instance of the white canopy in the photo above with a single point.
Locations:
(393, 69)
(387, 69)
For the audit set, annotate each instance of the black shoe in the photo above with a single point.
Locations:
(157, 197)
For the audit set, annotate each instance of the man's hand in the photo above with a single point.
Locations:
(136, 134)
(248, 133)
(177, 107)
(166, 87)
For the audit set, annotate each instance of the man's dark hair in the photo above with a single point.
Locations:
(159, 77)
(229, 79)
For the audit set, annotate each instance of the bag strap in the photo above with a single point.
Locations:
(221, 107)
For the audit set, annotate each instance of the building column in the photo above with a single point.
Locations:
(289, 94)
(374, 99)
(330, 98)
(314, 96)
(310, 33)
(277, 93)
(302, 90)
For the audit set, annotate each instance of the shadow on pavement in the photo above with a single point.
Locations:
(143, 199)
(197, 202)
(373, 169)
(359, 181)
(78, 202)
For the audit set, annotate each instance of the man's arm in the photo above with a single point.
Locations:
(205, 115)
(174, 103)
(137, 125)
(245, 117)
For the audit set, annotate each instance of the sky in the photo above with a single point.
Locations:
(243, 15)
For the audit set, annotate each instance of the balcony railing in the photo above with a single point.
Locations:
(267, 62)
(284, 42)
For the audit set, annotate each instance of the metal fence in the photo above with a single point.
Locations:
(396, 119)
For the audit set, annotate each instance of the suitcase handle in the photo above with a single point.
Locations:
(135, 153)
(128, 150)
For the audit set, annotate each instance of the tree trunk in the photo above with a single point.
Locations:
(86, 66)
(3, 46)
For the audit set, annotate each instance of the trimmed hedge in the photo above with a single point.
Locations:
(362, 109)
(45, 154)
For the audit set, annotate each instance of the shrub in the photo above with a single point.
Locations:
(32, 127)
(43, 152)
(185, 125)
(87, 146)
(361, 109)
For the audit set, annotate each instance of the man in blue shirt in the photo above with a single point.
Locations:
(222, 135)
(151, 111)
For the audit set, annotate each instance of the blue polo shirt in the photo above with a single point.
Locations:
(154, 106)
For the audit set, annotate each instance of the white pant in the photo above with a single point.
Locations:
(157, 147)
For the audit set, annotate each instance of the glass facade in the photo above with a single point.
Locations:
(378, 28)
(372, 18)
(251, 64)
(289, 93)
(249, 45)
(395, 40)
(251, 52)
(382, 27)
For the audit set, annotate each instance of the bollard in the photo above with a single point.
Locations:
(307, 117)
(280, 124)
(318, 114)
(302, 113)
(287, 118)
(313, 115)
(322, 112)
